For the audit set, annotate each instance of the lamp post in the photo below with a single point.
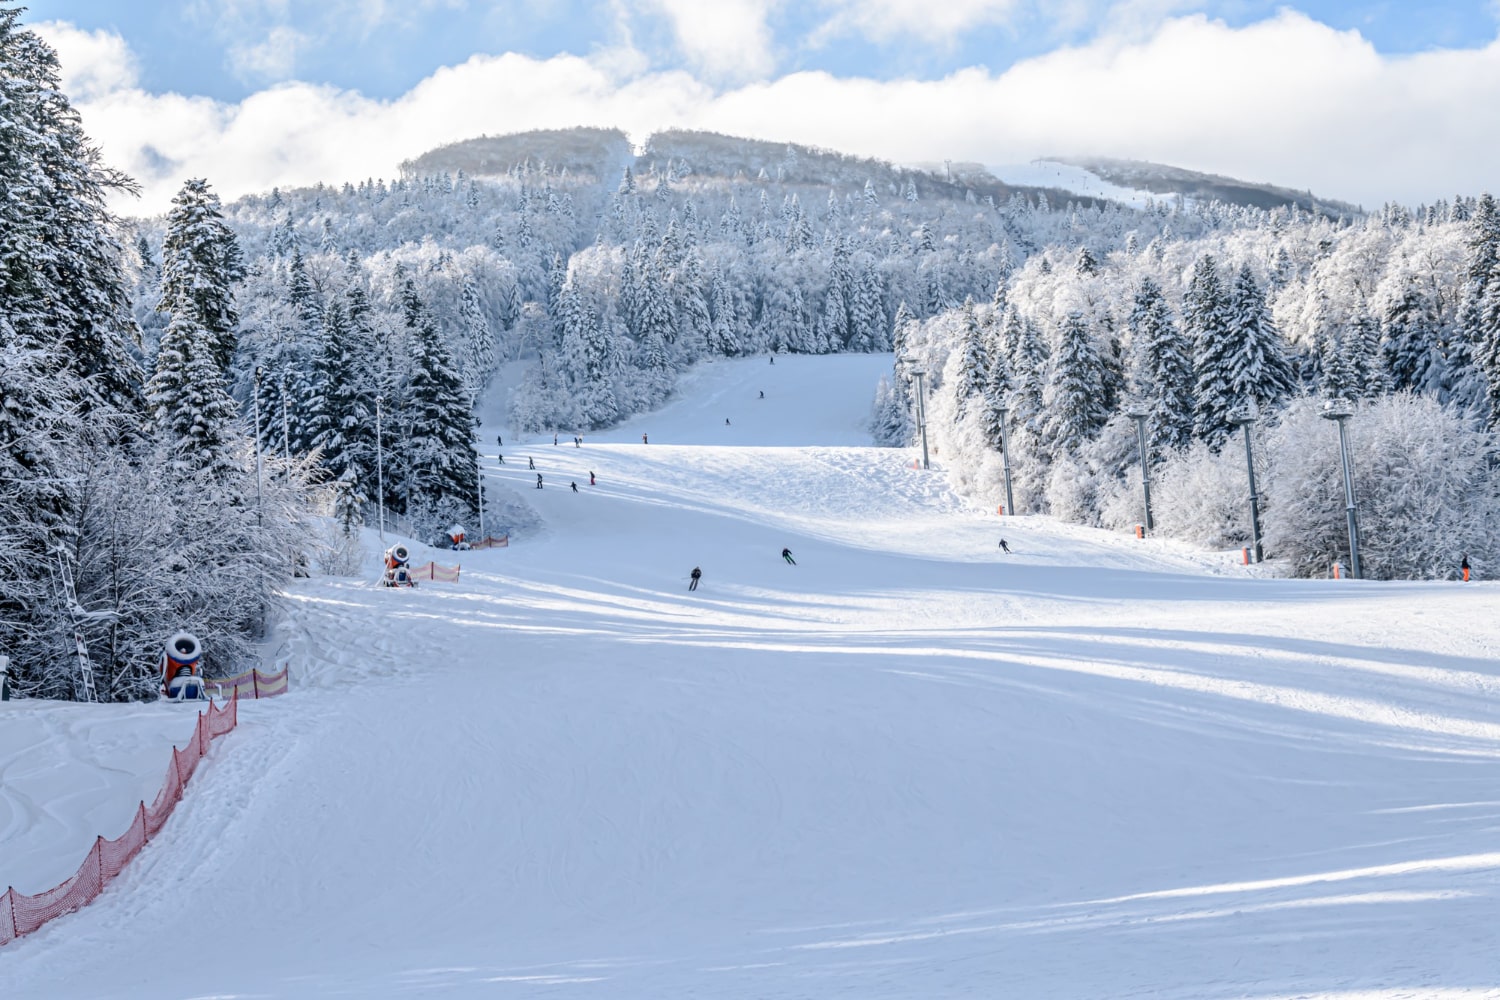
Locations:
(379, 467)
(1140, 415)
(1244, 420)
(258, 373)
(1340, 411)
(286, 433)
(478, 468)
(1010, 500)
(922, 412)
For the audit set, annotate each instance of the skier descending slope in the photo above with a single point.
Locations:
(787, 555)
(696, 574)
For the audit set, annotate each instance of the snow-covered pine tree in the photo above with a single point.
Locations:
(443, 474)
(201, 262)
(1240, 358)
(477, 338)
(1409, 334)
(195, 420)
(62, 286)
(1075, 389)
(973, 362)
(1162, 368)
(721, 331)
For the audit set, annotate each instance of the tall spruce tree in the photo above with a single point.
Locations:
(62, 286)
(200, 264)
(1075, 390)
(441, 460)
(1162, 368)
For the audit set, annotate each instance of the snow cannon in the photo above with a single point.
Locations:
(182, 668)
(456, 538)
(397, 572)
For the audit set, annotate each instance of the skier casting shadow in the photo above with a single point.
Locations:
(1003, 546)
(696, 574)
(787, 555)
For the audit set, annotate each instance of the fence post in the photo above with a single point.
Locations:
(10, 901)
(255, 682)
(5, 669)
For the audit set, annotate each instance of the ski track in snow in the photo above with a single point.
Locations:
(909, 766)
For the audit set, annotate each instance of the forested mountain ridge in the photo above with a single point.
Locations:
(704, 246)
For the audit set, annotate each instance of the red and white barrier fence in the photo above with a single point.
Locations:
(21, 915)
(432, 571)
(493, 543)
(251, 684)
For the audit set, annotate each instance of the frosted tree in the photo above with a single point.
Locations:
(200, 263)
(61, 282)
(1240, 357)
(194, 417)
(1162, 368)
(477, 338)
(1409, 336)
(443, 477)
(1075, 390)
(973, 362)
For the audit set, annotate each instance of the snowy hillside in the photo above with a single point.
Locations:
(908, 766)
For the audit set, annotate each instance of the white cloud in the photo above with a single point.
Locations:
(1287, 100)
(725, 39)
(273, 58)
(885, 20)
(94, 63)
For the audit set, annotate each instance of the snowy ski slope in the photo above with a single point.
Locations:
(907, 767)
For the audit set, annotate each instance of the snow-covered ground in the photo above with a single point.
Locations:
(1052, 174)
(909, 766)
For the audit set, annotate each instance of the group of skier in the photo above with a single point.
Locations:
(697, 573)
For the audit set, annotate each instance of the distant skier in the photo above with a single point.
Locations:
(499, 441)
(554, 439)
(726, 421)
(696, 574)
(1463, 564)
(787, 555)
(763, 394)
(538, 480)
(501, 458)
(1003, 547)
(531, 464)
(773, 359)
(575, 487)
(643, 439)
(591, 479)
(577, 441)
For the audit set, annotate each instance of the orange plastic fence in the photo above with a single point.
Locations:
(20, 915)
(493, 543)
(432, 571)
(251, 684)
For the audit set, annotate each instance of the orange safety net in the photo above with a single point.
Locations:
(432, 571)
(251, 684)
(493, 543)
(21, 914)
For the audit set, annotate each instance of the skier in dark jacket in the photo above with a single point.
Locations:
(530, 463)
(696, 574)
(591, 479)
(787, 555)
(575, 487)
(1003, 547)
(538, 480)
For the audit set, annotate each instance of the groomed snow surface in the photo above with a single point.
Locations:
(909, 766)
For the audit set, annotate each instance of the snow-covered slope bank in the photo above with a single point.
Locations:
(908, 766)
